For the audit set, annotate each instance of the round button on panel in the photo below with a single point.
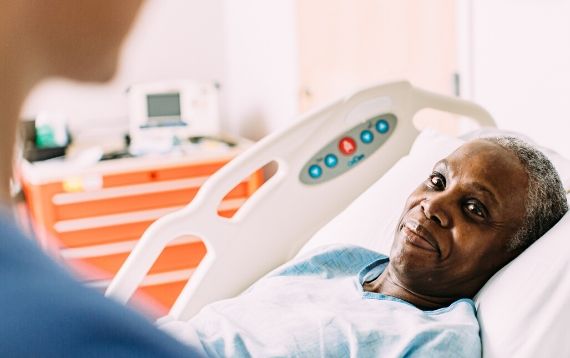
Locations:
(315, 171)
(366, 136)
(331, 160)
(347, 146)
(382, 126)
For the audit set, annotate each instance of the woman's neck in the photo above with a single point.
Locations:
(388, 284)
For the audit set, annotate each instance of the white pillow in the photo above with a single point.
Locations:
(524, 310)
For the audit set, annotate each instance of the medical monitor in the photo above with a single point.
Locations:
(180, 109)
(163, 109)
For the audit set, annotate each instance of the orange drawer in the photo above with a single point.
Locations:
(173, 258)
(146, 176)
(80, 205)
(109, 234)
(103, 235)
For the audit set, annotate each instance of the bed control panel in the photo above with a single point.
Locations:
(348, 149)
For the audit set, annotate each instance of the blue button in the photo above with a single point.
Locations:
(331, 160)
(382, 126)
(366, 136)
(315, 171)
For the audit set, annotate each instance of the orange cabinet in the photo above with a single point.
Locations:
(91, 218)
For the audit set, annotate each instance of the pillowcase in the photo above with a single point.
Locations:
(523, 310)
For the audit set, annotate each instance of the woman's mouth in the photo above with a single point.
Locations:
(418, 236)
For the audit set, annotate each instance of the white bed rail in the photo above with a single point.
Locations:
(284, 213)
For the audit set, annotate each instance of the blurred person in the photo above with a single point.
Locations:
(43, 310)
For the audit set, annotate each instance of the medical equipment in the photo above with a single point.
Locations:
(286, 212)
(176, 109)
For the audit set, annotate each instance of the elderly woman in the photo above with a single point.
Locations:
(479, 208)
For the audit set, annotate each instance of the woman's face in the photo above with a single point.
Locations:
(455, 228)
(79, 39)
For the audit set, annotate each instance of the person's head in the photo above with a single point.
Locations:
(77, 39)
(479, 208)
(74, 39)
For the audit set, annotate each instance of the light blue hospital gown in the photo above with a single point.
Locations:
(315, 307)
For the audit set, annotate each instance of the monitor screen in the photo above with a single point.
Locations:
(163, 110)
(163, 105)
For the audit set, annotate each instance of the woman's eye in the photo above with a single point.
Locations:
(437, 181)
(475, 209)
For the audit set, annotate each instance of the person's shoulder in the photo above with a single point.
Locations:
(463, 307)
(58, 320)
(46, 312)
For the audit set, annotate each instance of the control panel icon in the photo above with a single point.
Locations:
(315, 171)
(347, 146)
(331, 160)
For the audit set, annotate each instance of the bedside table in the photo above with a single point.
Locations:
(91, 218)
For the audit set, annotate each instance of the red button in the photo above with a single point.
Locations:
(347, 146)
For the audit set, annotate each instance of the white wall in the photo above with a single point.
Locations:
(248, 46)
(520, 67)
(261, 65)
(171, 39)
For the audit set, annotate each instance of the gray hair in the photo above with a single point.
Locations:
(545, 202)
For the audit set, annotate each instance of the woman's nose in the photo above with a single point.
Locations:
(435, 208)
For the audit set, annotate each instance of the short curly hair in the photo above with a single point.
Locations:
(545, 201)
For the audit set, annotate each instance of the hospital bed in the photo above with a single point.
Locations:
(339, 169)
